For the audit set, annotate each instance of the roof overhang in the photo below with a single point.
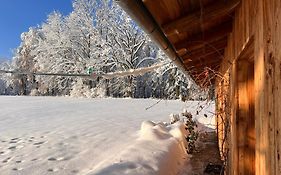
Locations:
(192, 33)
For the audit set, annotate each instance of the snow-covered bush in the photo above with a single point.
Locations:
(174, 118)
(190, 127)
(98, 91)
(79, 89)
(34, 92)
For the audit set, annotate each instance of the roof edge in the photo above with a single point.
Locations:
(139, 13)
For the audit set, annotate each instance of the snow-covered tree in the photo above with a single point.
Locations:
(86, 42)
(5, 79)
(128, 47)
(53, 55)
(24, 61)
(97, 34)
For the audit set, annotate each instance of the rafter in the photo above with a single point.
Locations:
(205, 57)
(201, 45)
(192, 22)
(208, 36)
(208, 49)
(206, 61)
(208, 64)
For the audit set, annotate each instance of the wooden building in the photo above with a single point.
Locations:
(234, 45)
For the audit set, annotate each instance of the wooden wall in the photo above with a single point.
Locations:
(257, 24)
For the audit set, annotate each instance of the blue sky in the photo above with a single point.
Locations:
(16, 16)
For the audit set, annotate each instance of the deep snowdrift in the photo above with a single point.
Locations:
(158, 150)
(51, 135)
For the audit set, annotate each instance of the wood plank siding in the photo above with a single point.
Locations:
(257, 24)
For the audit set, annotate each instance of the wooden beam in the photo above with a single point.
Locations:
(197, 46)
(206, 61)
(206, 37)
(208, 49)
(181, 52)
(206, 57)
(210, 64)
(202, 44)
(193, 22)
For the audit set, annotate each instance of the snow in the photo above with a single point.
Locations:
(56, 54)
(158, 150)
(174, 118)
(202, 107)
(60, 135)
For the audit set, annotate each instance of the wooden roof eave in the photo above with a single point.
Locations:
(138, 12)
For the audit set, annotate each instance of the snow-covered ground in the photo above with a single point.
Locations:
(60, 135)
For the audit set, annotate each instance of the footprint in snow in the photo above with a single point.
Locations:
(34, 160)
(39, 143)
(52, 159)
(56, 159)
(52, 169)
(17, 169)
(19, 161)
(5, 152)
(12, 148)
(13, 139)
(6, 160)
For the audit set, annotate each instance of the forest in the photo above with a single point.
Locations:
(99, 35)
